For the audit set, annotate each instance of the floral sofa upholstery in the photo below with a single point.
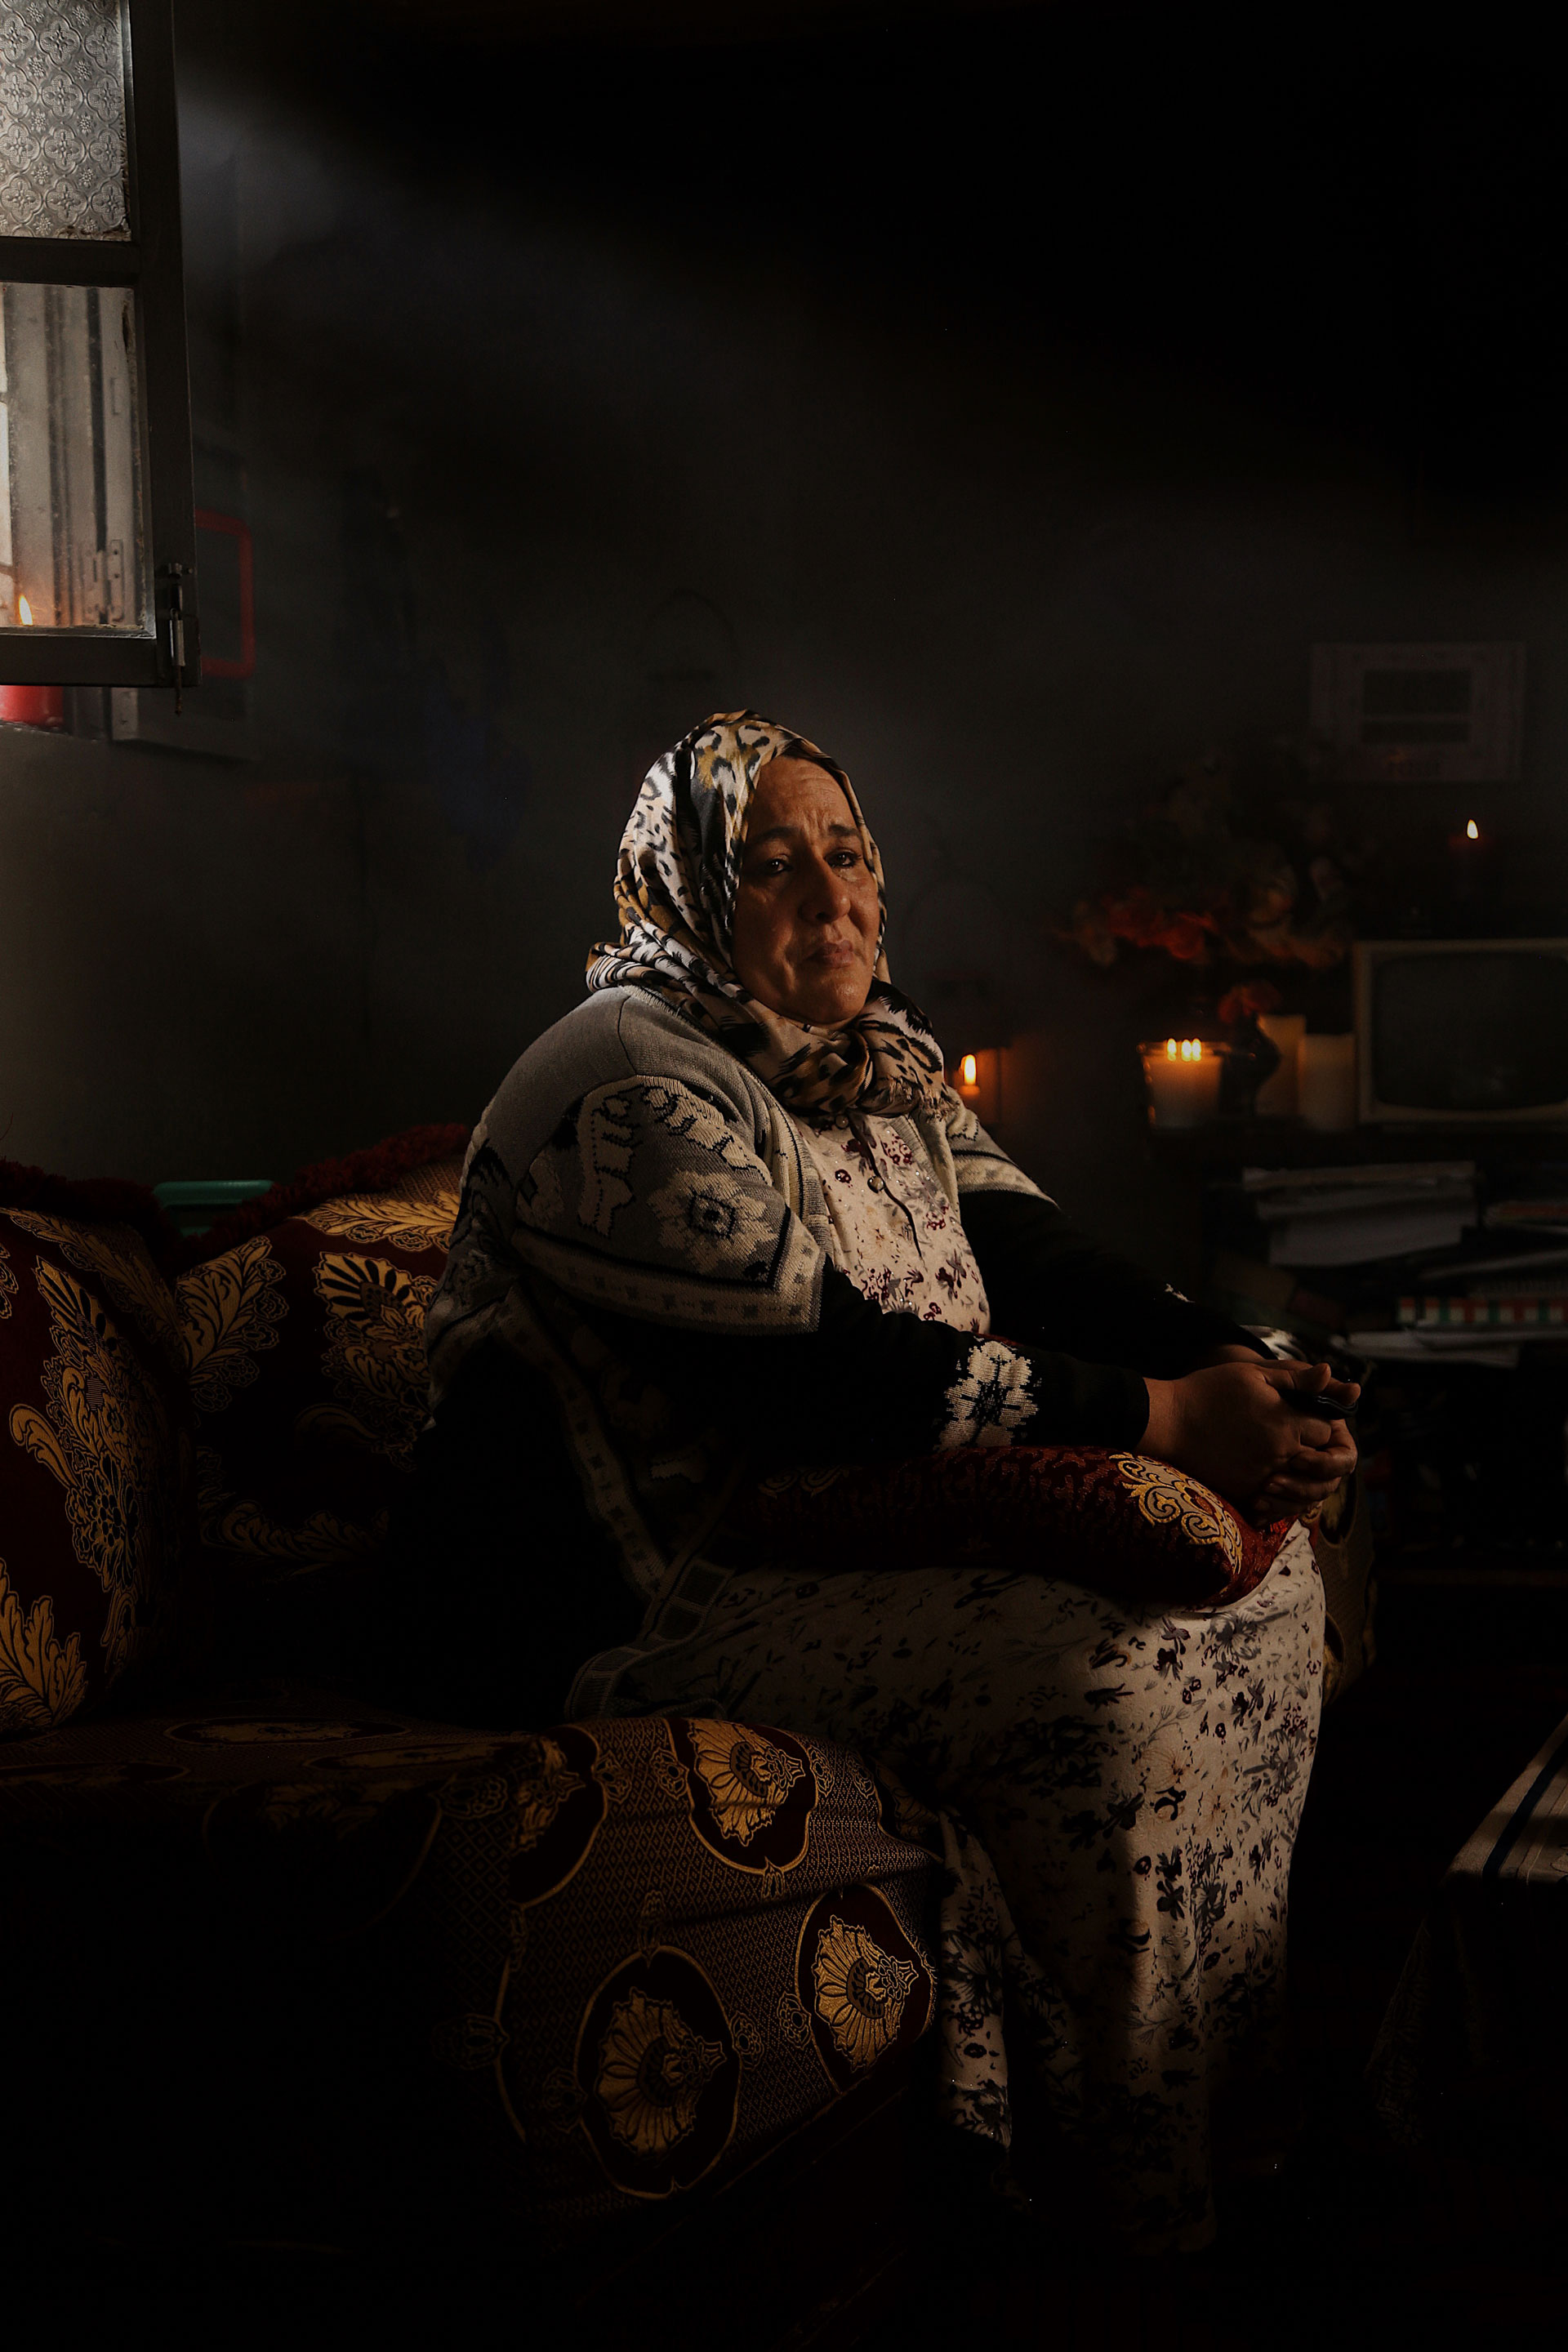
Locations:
(325, 1972)
(321, 1971)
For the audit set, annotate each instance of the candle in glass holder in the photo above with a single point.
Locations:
(1276, 1096)
(1325, 1082)
(1183, 1077)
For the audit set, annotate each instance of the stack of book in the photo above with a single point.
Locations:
(1354, 1216)
(1489, 1308)
(1393, 1258)
(1471, 1313)
(1548, 1215)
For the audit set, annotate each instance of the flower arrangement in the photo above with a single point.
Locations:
(1231, 864)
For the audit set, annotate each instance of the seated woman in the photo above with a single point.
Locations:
(727, 1216)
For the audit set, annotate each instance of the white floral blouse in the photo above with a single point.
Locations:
(895, 1234)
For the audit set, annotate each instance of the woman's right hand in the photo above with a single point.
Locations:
(1242, 1429)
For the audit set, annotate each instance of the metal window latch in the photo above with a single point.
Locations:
(176, 574)
(103, 582)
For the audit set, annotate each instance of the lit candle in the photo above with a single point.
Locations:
(979, 1078)
(1183, 1077)
(1472, 853)
(1276, 1096)
(1325, 1082)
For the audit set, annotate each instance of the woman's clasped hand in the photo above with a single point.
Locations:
(1245, 1429)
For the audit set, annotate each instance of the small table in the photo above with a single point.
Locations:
(1473, 2054)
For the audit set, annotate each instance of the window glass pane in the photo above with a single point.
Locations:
(70, 493)
(62, 118)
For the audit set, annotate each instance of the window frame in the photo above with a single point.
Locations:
(149, 263)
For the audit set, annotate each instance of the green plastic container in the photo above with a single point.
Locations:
(195, 1206)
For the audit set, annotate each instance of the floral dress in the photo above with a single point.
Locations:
(1134, 1781)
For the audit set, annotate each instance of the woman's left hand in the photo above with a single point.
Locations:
(1298, 1485)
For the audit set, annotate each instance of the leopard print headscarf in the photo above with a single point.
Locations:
(675, 893)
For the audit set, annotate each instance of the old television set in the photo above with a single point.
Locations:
(1462, 1032)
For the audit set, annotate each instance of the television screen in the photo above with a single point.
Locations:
(1478, 1031)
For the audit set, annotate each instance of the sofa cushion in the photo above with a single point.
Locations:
(593, 1966)
(1119, 1523)
(306, 1351)
(95, 1462)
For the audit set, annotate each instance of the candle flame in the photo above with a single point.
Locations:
(968, 1071)
(1189, 1049)
(26, 610)
(1472, 831)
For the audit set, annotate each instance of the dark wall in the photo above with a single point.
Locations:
(1008, 414)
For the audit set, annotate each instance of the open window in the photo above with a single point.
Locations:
(96, 529)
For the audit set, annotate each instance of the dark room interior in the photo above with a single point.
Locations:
(1131, 444)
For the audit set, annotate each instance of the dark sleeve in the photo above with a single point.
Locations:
(865, 1385)
(496, 1580)
(1051, 1285)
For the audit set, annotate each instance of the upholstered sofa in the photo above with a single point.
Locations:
(288, 1969)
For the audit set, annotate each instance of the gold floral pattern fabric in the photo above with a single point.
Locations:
(540, 1798)
(1128, 1524)
(118, 1262)
(859, 1988)
(94, 1465)
(229, 1310)
(305, 1347)
(102, 1432)
(374, 1335)
(752, 1791)
(1168, 1497)
(610, 2008)
(42, 1679)
(646, 1985)
(653, 2072)
(420, 1216)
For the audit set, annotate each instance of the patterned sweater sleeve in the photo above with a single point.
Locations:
(652, 1208)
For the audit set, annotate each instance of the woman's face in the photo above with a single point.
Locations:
(803, 935)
